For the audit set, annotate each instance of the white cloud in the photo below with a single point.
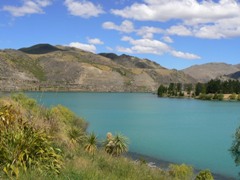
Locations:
(145, 46)
(202, 19)
(95, 41)
(124, 50)
(183, 55)
(179, 30)
(126, 26)
(151, 46)
(167, 39)
(28, 7)
(83, 8)
(86, 47)
(162, 10)
(148, 32)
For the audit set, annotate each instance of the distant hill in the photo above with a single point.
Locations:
(39, 49)
(132, 62)
(233, 76)
(206, 72)
(47, 67)
(238, 66)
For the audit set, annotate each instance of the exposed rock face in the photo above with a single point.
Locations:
(46, 67)
(233, 76)
(206, 72)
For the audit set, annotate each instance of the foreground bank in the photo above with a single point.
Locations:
(48, 144)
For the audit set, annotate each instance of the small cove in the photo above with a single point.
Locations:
(188, 131)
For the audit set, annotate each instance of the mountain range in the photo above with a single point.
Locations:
(47, 67)
(206, 72)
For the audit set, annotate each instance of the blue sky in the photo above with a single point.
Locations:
(174, 33)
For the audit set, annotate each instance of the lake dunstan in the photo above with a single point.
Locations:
(194, 132)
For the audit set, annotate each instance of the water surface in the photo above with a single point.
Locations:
(188, 131)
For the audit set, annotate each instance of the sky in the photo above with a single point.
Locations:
(174, 33)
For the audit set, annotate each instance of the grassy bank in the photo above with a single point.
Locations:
(41, 143)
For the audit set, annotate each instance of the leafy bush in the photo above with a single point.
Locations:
(24, 100)
(181, 172)
(66, 116)
(204, 175)
(24, 147)
(218, 97)
(116, 145)
(206, 96)
(233, 96)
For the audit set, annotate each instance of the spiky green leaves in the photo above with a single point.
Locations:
(116, 145)
(24, 147)
(91, 143)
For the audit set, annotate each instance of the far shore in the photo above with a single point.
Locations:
(164, 164)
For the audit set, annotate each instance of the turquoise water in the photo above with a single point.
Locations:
(188, 131)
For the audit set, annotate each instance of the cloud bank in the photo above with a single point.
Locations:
(28, 7)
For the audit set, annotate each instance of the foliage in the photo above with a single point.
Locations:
(235, 149)
(206, 96)
(204, 175)
(225, 87)
(218, 97)
(91, 144)
(200, 89)
(24, 147)
(181, 172)
(26, 102)
(116, 145)
(233, 96)
(77, 135)
(162, 90)
(66, 116)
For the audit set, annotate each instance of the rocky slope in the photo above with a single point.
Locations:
(232, 76)
(206, 72)
(46, 67)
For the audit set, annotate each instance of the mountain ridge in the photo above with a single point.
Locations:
(47, 67)
(208, 71)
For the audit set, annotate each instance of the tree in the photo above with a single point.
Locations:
(172, 89)
(116, 145)
(200, 88)
(91, 144)
(161, 90)
(235, 149)
(188, 88)
(179, 87)
(213, 86)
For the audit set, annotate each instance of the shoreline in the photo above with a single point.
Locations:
(164, 164)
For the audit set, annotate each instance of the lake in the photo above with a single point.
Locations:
(189, 131)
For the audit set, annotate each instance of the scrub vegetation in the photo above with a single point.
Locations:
(40, 143)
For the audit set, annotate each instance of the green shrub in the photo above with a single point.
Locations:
(218, 97)
(116, 145)
(206, 96)
(66, 116)
(181, 172)
(24, 147)
(26, 102)
(204, 175)
(233, 96)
